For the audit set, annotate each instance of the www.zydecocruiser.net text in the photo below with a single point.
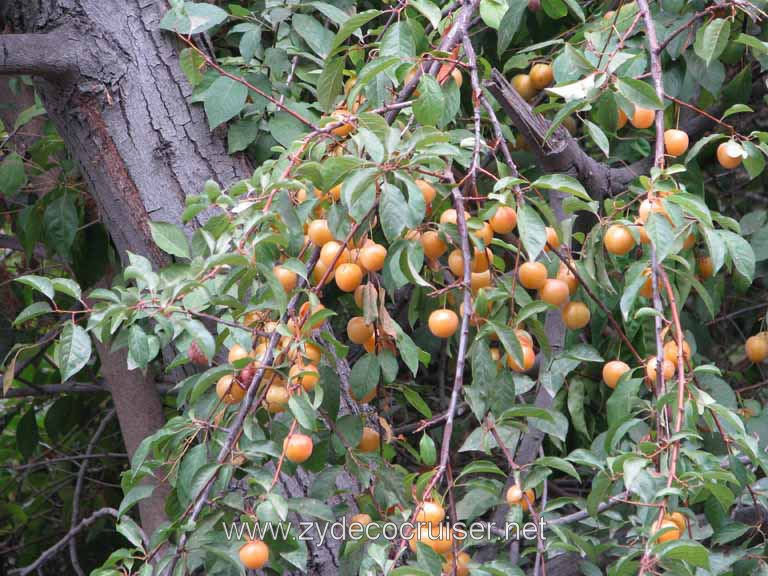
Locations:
(343, 530)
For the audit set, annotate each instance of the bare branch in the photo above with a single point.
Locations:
(56, 548)
(37, 54)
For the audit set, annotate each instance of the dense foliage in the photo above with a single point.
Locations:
(347, 326)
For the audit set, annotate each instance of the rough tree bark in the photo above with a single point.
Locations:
(111, 83)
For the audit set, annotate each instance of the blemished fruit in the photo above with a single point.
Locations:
(541, 76)
(532, 275)
(229, 390)
(621, 119)
(196, 355)
(456, 263)
(576, 315)
(516, 496)
(348, 277)
(312, 351)
(553, 242)
(287, 278)
(319, 233)
(236, 353)
(529, 359)
(612, 372)
(362, 519)
(482, 260)
(329, 253)
(650, 369)
(569, 278)
(504, 220)
(443, 323)
(675, 142)
(433, 245)
(450, 216)
(439, 538)
(254, 554)
(455, 73)
(554, 292)
(679, 519)
(705, 267)
(523, 85)
(672, 534)
(298, 448)
(524, 337)
(310, 377)
(729, 154)
(431, 513)
(369, 441)
(358, 331)
(485, 233)
(756, 347)
(344, 129)
(462, 564)
(671, 351)
(480, 280)
(427, 190)
(276, 399)
(643, 118)
(618, 240)
(335, 192)
(305, 311)
(372, 257)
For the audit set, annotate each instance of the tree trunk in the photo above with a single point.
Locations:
(110, 81)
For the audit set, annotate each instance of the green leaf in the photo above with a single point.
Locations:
(365, 376)
(712, 39)
(398, 41)
(736, 109)
(639, 93)
(428, 107)
(558, 464)
(415, 400)
(685, 550)
(302, 410)
(12, 175)
(27, 435)
(330, 82)
(428, 10)
(574, 7)
(170, 238)
(131, 531)
(60, 224)
(427, 450)
(532, 231)
(392, 208)
(39, 283)
(741, 253)
(693, 205)
(598, 137)
(562, 183)
(317, 37)
(193, 18)
(754, 161)
(510, 24)
(492, 12)
(32, 311)
(74, 350)
(224, 100)
(190, 63)
(351, 25)
(135, 494)
(700, 143)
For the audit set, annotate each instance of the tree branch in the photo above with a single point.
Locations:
(56, 548)
(37, 54)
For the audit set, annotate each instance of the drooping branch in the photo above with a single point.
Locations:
(560, 153)
(56, 548)
(37, 55)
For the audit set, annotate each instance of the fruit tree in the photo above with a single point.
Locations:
(391, 263)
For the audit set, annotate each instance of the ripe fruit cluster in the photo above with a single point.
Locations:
(537, 79)
(556, 291)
